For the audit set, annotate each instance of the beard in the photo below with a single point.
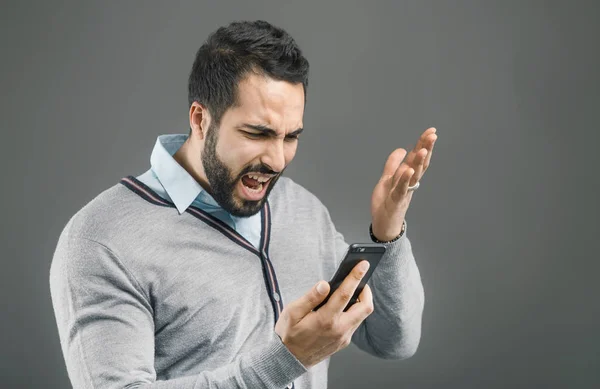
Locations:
(223, 183)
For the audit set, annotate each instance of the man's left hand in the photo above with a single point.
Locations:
(391, 197)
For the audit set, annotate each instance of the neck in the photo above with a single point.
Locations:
(188, 156)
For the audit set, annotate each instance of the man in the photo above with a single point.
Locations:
(177, 278)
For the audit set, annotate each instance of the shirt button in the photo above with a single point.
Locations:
(276, 296)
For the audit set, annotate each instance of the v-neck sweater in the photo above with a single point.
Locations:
(147, 297)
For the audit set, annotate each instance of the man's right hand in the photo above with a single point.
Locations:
(311, 335)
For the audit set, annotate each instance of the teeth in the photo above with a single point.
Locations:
(259, 179)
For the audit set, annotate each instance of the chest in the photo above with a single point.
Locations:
(209, 288)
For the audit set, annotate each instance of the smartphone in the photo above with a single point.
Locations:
(357, 252)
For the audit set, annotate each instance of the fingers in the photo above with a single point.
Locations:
(411, 170)
(360, 310)
(425, 141)
(401, 188)
(392, 162)
(420, 162)
(419, 158)
(429, 152)
(340, 298)
(297, 309)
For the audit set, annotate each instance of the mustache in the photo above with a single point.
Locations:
(258, 169)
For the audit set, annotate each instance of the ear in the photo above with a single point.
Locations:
(199, 120)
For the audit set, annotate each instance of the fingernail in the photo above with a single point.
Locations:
(321, 288)
(364, 266)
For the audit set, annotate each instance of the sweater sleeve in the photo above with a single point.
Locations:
(106, 329)
(393, 330)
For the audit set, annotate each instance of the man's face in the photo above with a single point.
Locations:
(240, 149)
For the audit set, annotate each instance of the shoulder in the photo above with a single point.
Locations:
(292, 200)
(289, 191)
(107, 214)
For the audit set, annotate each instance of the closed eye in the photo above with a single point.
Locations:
(263, 135)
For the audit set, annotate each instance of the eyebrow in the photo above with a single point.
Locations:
(269, 131)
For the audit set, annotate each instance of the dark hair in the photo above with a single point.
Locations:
(231, 52)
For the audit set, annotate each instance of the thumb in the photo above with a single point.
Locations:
(305, 304)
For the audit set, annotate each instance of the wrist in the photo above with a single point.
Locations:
(381, 238)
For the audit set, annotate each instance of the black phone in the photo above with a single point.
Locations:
(357, 252)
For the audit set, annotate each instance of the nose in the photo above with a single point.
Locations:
(274, 157)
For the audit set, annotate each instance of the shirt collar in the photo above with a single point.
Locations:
(181, 187)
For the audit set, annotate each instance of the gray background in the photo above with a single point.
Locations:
(504, 224)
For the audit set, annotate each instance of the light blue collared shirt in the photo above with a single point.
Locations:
(173, 183)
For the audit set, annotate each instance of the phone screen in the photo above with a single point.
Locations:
(357, 252)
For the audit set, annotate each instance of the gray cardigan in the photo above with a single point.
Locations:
(145, 297)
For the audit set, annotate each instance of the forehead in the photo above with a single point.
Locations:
(265, 100)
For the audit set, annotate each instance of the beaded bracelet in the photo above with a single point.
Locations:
(374, 239)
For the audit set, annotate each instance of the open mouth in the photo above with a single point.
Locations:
(254, 185)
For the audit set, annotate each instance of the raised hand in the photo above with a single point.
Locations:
(391, 196)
